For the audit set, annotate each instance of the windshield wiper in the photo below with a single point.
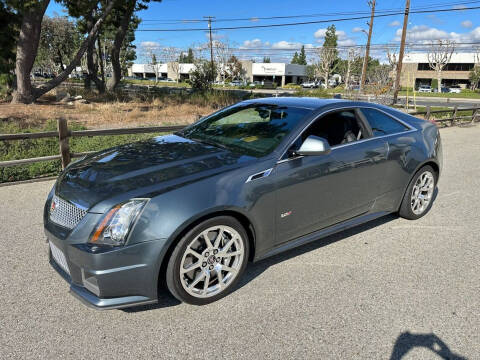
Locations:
(209, 142)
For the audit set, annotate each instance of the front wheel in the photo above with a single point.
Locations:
(418, 198)
(208, 261)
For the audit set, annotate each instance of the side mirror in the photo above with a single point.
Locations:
(314, 145)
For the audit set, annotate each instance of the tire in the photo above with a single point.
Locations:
(418, 200)
(221, 263)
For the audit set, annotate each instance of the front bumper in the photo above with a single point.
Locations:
(120, 277)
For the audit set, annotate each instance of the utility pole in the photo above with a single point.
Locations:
(372, 4)
(400, 55)
(209, 19)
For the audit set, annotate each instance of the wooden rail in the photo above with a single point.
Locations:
(64, 133)
(429, 114)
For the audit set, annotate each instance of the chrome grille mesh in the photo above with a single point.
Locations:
(59, 258)
(65, 214)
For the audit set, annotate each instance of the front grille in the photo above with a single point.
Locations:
(59, 258)
(65, 214)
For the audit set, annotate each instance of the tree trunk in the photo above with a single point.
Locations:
(102, 67)
(439, 79)
(27, 47)
(76, 60)
(117, 46)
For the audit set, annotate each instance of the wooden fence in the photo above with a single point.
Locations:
(64, 133)
(455, 117)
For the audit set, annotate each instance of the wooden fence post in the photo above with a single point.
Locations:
(475, 114)
(454, 117)
(63, 135)
(427, 115)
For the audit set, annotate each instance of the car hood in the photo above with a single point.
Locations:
(140, 168)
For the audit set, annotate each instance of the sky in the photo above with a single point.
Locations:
(278, 42)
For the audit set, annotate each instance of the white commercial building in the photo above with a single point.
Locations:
(279, 73)
(416, 70)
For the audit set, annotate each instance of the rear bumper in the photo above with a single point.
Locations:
(111, 279)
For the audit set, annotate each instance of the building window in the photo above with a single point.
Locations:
(448, 67)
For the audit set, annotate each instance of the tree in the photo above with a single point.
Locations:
(302, 57)
(327, 55)
(439, 56)
(222, 52)
(9, 24)
(235, 70)
(151, 51)
(32, 13)
(474, 76)
(382, 82)
(331, 38)
(170, 56)
(324, 66)
(294, 59)
(188, 58)
(266, 60)
(350, 58)
(310, 72)
(59, 41)
(201, 75)
(123, 19)
(392, 57)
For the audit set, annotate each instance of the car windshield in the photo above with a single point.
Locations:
(253, 129)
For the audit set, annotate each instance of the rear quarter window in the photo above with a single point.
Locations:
(382, 124)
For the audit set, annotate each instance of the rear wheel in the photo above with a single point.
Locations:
(418, 198)
(208, 261)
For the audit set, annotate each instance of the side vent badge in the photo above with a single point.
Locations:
(259, 175)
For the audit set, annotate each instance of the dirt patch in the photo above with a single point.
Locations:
(104, 115)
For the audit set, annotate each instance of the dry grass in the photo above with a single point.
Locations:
(104, 115)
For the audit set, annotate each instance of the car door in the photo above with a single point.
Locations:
(314, 192)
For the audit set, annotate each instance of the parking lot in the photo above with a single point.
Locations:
(391, 289)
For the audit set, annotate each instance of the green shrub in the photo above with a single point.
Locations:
(320, 93)
(292, 86)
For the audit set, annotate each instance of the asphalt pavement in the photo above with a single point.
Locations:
(391, 289)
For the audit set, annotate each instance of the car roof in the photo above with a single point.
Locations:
(301, 102)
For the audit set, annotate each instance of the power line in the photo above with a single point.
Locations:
(311, 22)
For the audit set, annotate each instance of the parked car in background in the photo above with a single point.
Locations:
(256, 83)
(191, 209)
(455, 89)
(425, 89)
(237, 83)
(310, 85)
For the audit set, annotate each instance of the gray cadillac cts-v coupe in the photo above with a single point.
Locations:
(190, 209)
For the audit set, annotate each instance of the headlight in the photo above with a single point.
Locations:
(116, 224)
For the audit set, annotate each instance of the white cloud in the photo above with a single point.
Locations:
(255, 44)
(290, 45)
(394, 23)
(467, 24)
(150, 44)
(423, 34)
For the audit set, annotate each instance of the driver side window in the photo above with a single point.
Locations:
(338, 127)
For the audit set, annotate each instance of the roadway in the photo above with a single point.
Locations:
(375, 292)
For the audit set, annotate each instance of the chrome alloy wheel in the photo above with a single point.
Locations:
(422, 192)
(211, 261)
